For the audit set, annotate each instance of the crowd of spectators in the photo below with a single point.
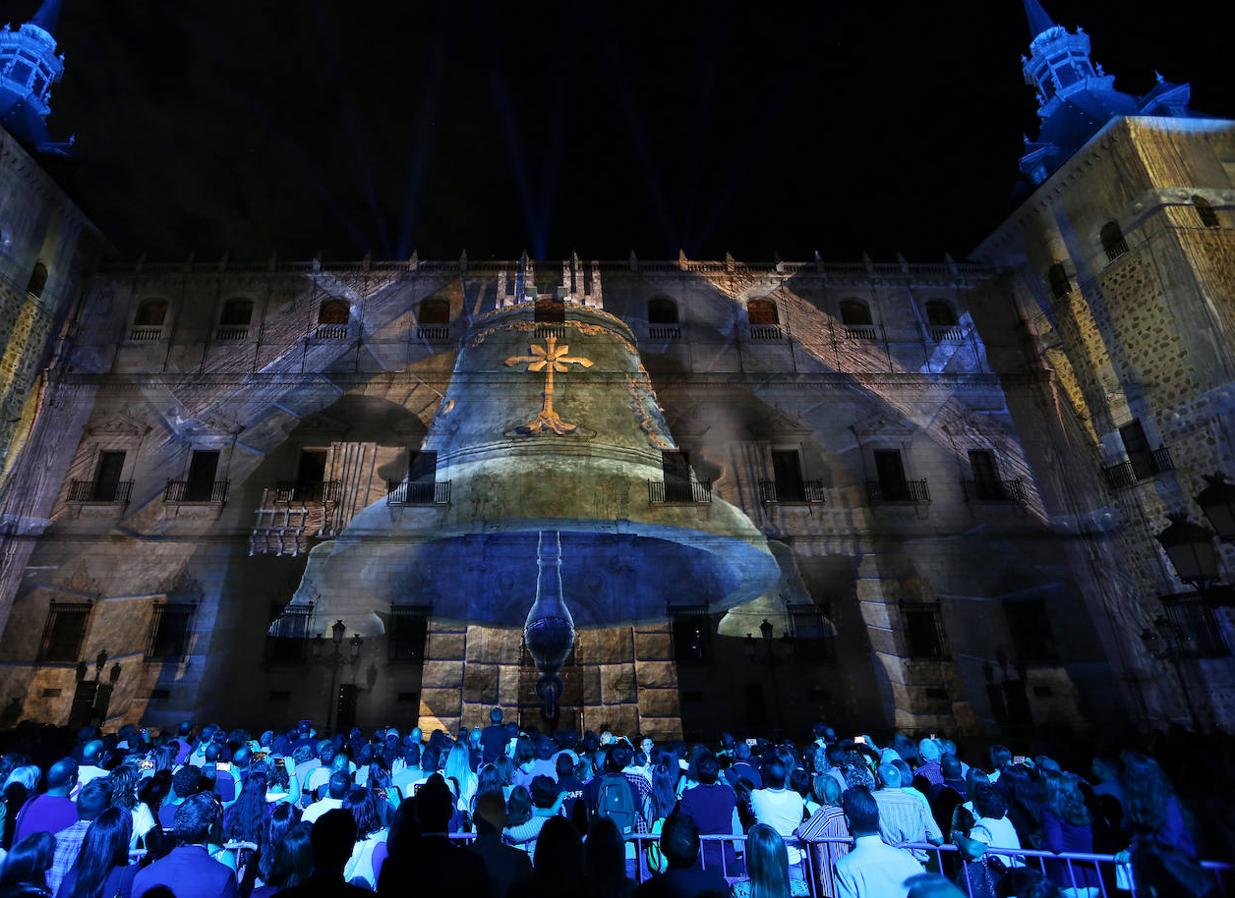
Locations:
(203, 812)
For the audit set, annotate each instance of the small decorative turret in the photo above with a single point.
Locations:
(29, 66)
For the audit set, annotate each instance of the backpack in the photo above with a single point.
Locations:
(616, 800)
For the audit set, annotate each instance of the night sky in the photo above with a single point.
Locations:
(350, 127)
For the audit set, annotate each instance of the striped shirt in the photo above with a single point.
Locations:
(826, 823)
(902, 818)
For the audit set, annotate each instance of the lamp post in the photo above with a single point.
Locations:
(1190, 548)
(336, 660)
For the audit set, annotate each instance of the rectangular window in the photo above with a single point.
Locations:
(65, 631)
(287, 639)
(421, 467)
(890, 469)
(814, 623)
(692, 630)
(169, 632)
(1030, 629)
(199, 485)
(787, 472)
(549, 311)
(986, 483)
(676, 468)
(312, 468)
(107, 476)
(1136, 444)
(409, 629)
(923, 633)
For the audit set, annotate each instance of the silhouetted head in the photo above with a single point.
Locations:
(861, 811)
(62, 777)
(333, 836)
(679, 841)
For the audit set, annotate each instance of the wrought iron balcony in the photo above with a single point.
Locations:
(664, 332)
(93, 492)
(317, 491)
(680, 492)
(545, 331)
(767, 332)
(865, 332)
(1140, 466)
(1115, 249)
(910, 492)
(232, 333)
(811, 492)
(994, 490)
(331, 332)
(953, 333)
(400, 492)
(201, 492)
(433, 333)
(145, 333)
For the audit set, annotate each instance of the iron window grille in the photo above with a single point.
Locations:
(65, 631)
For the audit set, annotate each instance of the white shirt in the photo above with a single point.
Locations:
(315, 810)
(88, 772)
(874, 869)
(998, 834)
(782, 810)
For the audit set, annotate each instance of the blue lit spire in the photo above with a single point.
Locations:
(29, 66)
(1076, 98)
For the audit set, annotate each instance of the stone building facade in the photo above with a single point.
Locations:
(911, 495)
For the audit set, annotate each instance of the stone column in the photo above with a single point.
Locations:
(441, 684)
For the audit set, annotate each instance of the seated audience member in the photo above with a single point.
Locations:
(331, 839)
(679, 845)
(434, 865)
(780, 808)
(188, 870)
(558, 866)
(826, 833)
(54, 810)
(992, 827)
(24, 871)
(872, 869)
(713, 805)
(604, 862)
(504, 864)
(340, 785)
(92, 800)
(767, 867)
(102, 868)
(290, 861)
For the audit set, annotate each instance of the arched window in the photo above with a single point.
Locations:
(855, 313)
(1209, 218)
(434, 311)
(762, 311)
(1061, 285)
(151, 313)
(237, 313)
(333, 311)
(662, 310)
(1113, 241)
(38, 280)
(939, 313)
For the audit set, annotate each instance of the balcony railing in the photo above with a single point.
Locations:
(910, 492)
(664, 332)
(331, 332)
(811, 492)
(861, 332)
(93, 492)
(434, 333)
(232, 333)
(145, 333)
(994, 490)
(1197, 628)
(1141, 466)
(189, 492)
(947, 333)
(400, 492)
(767, 332)
(680, 492)
(317, 491)
(1115, 249)
(545, 331)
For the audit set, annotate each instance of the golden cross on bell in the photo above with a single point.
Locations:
(549, 358)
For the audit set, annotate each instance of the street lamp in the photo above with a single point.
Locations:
(336, 659)
(1190, 548)
(1217, 501)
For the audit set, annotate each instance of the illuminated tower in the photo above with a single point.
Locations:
(1076, 98)
(29, 66)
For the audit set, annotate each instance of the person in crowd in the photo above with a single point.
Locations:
(282, 818)
(53, 810)
(330, 839)
(713, 805)
(319, 776)
(529, 810)
(504, 864)
(931, 885)
(340, 785)
(1067, 826)
(248, 820)
(872, 869)
(93, 799)
(434, 864)
(604, 862)
(684, 877)
(188, 870)
(91, 762)
(458, 770)
(123, 785)
(493, 738)
(742, 769)
(19, 785)
(630, 807)
(557, 870)
(186, 782)
(780, 808)
(1162, 848)
(287, 862)
(362, 804)
(767, 867)
(930, 767)
(24, 871)
(953, 777)
(902, 817)
(102, 868)
(409, 771)
(568, 783)
(826, 832)
(993, 827)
